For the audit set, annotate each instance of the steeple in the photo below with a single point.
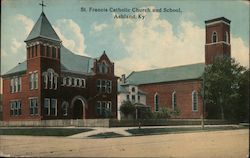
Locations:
(43, 29)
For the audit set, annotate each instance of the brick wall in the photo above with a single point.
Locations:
(183, 91)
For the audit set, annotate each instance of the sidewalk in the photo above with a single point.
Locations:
(122, 130)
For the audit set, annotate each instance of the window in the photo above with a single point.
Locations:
(33, 106)
(127, 97)
(104, 86)
(47, 106)
(194, 101)
(103, 67)
(53, 107)
(42, 50)
(133, 89)
(33, 80)
(139, 99)
(58, 53)
(156, 101)
(50, 79)
(32, 51)
(15, 108)
(53, 52)
(214, 37)
(65, 106)
(35, 50)
(174, 100)
(133, 98)
(103, 108)
(48, 51)
(15, 84)
(83, 83)
(226, 37)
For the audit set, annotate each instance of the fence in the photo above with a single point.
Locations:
(109, 123)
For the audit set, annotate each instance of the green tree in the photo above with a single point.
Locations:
(222, 87)
(127, 108)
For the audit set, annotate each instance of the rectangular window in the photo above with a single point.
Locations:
(47, 106)
(53, 52)
(133, 98)
(42, 50)
(98, 108)
(53, 107)
(28, 52)
(98, 85)
(109, 86)
(33, 106)
(15, 108)
(103, 108)
(32, 51)
(103, 86)
(19, 84)
(139, 99)
(12, 85)
(48, 51)
(36, 50)
(15, 84)
(31, 76)
(35, 80)
(58, 53)
(127, 97)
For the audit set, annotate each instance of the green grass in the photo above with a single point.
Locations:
(42, 131)
(154, 131)
(106, 135)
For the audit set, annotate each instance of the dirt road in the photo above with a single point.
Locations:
(219, 144)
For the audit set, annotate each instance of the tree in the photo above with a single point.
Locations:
(222, 87)
(127, 108)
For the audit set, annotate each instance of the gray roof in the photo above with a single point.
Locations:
(70, 62)
(179, 73)
(43, 29)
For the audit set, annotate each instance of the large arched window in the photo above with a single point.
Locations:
(194, 101)
(50, 79)
(174, 104)
(214, 37)
(156, 102)
(65, 107)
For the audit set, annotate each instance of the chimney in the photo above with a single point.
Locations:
(123, 79)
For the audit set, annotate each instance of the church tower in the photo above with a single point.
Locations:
(217, 39)
(43, 66)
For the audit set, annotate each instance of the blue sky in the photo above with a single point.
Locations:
(160, 40)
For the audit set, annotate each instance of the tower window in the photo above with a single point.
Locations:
(53, 52)
(48, 51)
(214, 37)
(226, 37)
(42, 50)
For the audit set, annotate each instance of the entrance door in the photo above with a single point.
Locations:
(78, 109)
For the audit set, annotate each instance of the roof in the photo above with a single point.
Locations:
(179, 73)
(121, 88)
(70, 62)
(43, 29)
(218, 19)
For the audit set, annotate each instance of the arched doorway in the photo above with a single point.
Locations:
(78, 106)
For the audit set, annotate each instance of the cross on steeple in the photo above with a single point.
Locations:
(43, 5)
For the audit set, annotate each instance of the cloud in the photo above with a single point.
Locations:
(240, 51)
(27, 22)
(71, 35)
(153, 44)
(3, 53)
(98, 27)
(15, 45)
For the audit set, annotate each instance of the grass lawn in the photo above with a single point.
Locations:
(42, 131)
(106, 135)
(152, 131)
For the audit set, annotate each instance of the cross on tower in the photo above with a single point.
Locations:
(43, 5)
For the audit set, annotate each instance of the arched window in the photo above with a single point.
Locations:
(194, 101)
(174, 104)
(65, 107)
(156, 102)
(103, 67)
(50, 78)
(214, 37)
(133, 89)
(226, 37)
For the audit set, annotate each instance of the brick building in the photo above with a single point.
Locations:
(180, 87)
(54, 83)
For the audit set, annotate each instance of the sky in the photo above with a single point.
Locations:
(161, 39)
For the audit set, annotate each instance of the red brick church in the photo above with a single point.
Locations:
(54, 83)
(180, 87)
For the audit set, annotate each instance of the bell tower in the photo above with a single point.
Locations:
(217, 39)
